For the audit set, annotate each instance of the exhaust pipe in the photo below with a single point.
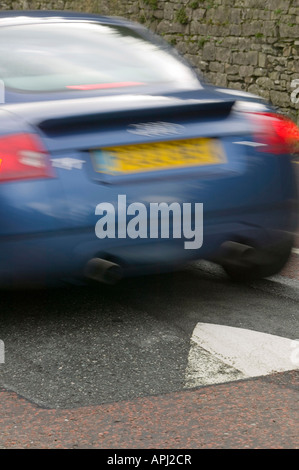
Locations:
(237, 253)
(102, 270)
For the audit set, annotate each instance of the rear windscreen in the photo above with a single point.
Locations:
(85, 55)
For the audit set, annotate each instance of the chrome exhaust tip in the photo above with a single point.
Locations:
(102, 270)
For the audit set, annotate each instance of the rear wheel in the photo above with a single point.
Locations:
(265, 263)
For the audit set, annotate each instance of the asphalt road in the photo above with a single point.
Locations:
(84, 350)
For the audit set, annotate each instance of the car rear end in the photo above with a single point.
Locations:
(188, 146)
(69, 164)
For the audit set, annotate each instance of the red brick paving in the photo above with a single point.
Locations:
(255, 413)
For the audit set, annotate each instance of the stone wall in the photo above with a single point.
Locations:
(244, 44)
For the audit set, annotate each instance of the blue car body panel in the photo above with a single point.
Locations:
(47, 229)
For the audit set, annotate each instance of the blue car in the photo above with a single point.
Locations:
(117, 159)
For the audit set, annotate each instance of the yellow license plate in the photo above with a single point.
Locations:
(158, 156)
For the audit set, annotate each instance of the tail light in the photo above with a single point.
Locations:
(22, 157)
(278, 133)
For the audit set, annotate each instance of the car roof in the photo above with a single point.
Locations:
(15, 17)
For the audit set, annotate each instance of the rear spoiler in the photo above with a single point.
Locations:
(106, 118)
(68, 115)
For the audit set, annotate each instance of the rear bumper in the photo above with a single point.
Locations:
(45, 259)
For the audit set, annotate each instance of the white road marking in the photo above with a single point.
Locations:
(221, 353)
(206, 369)
(296, 251)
